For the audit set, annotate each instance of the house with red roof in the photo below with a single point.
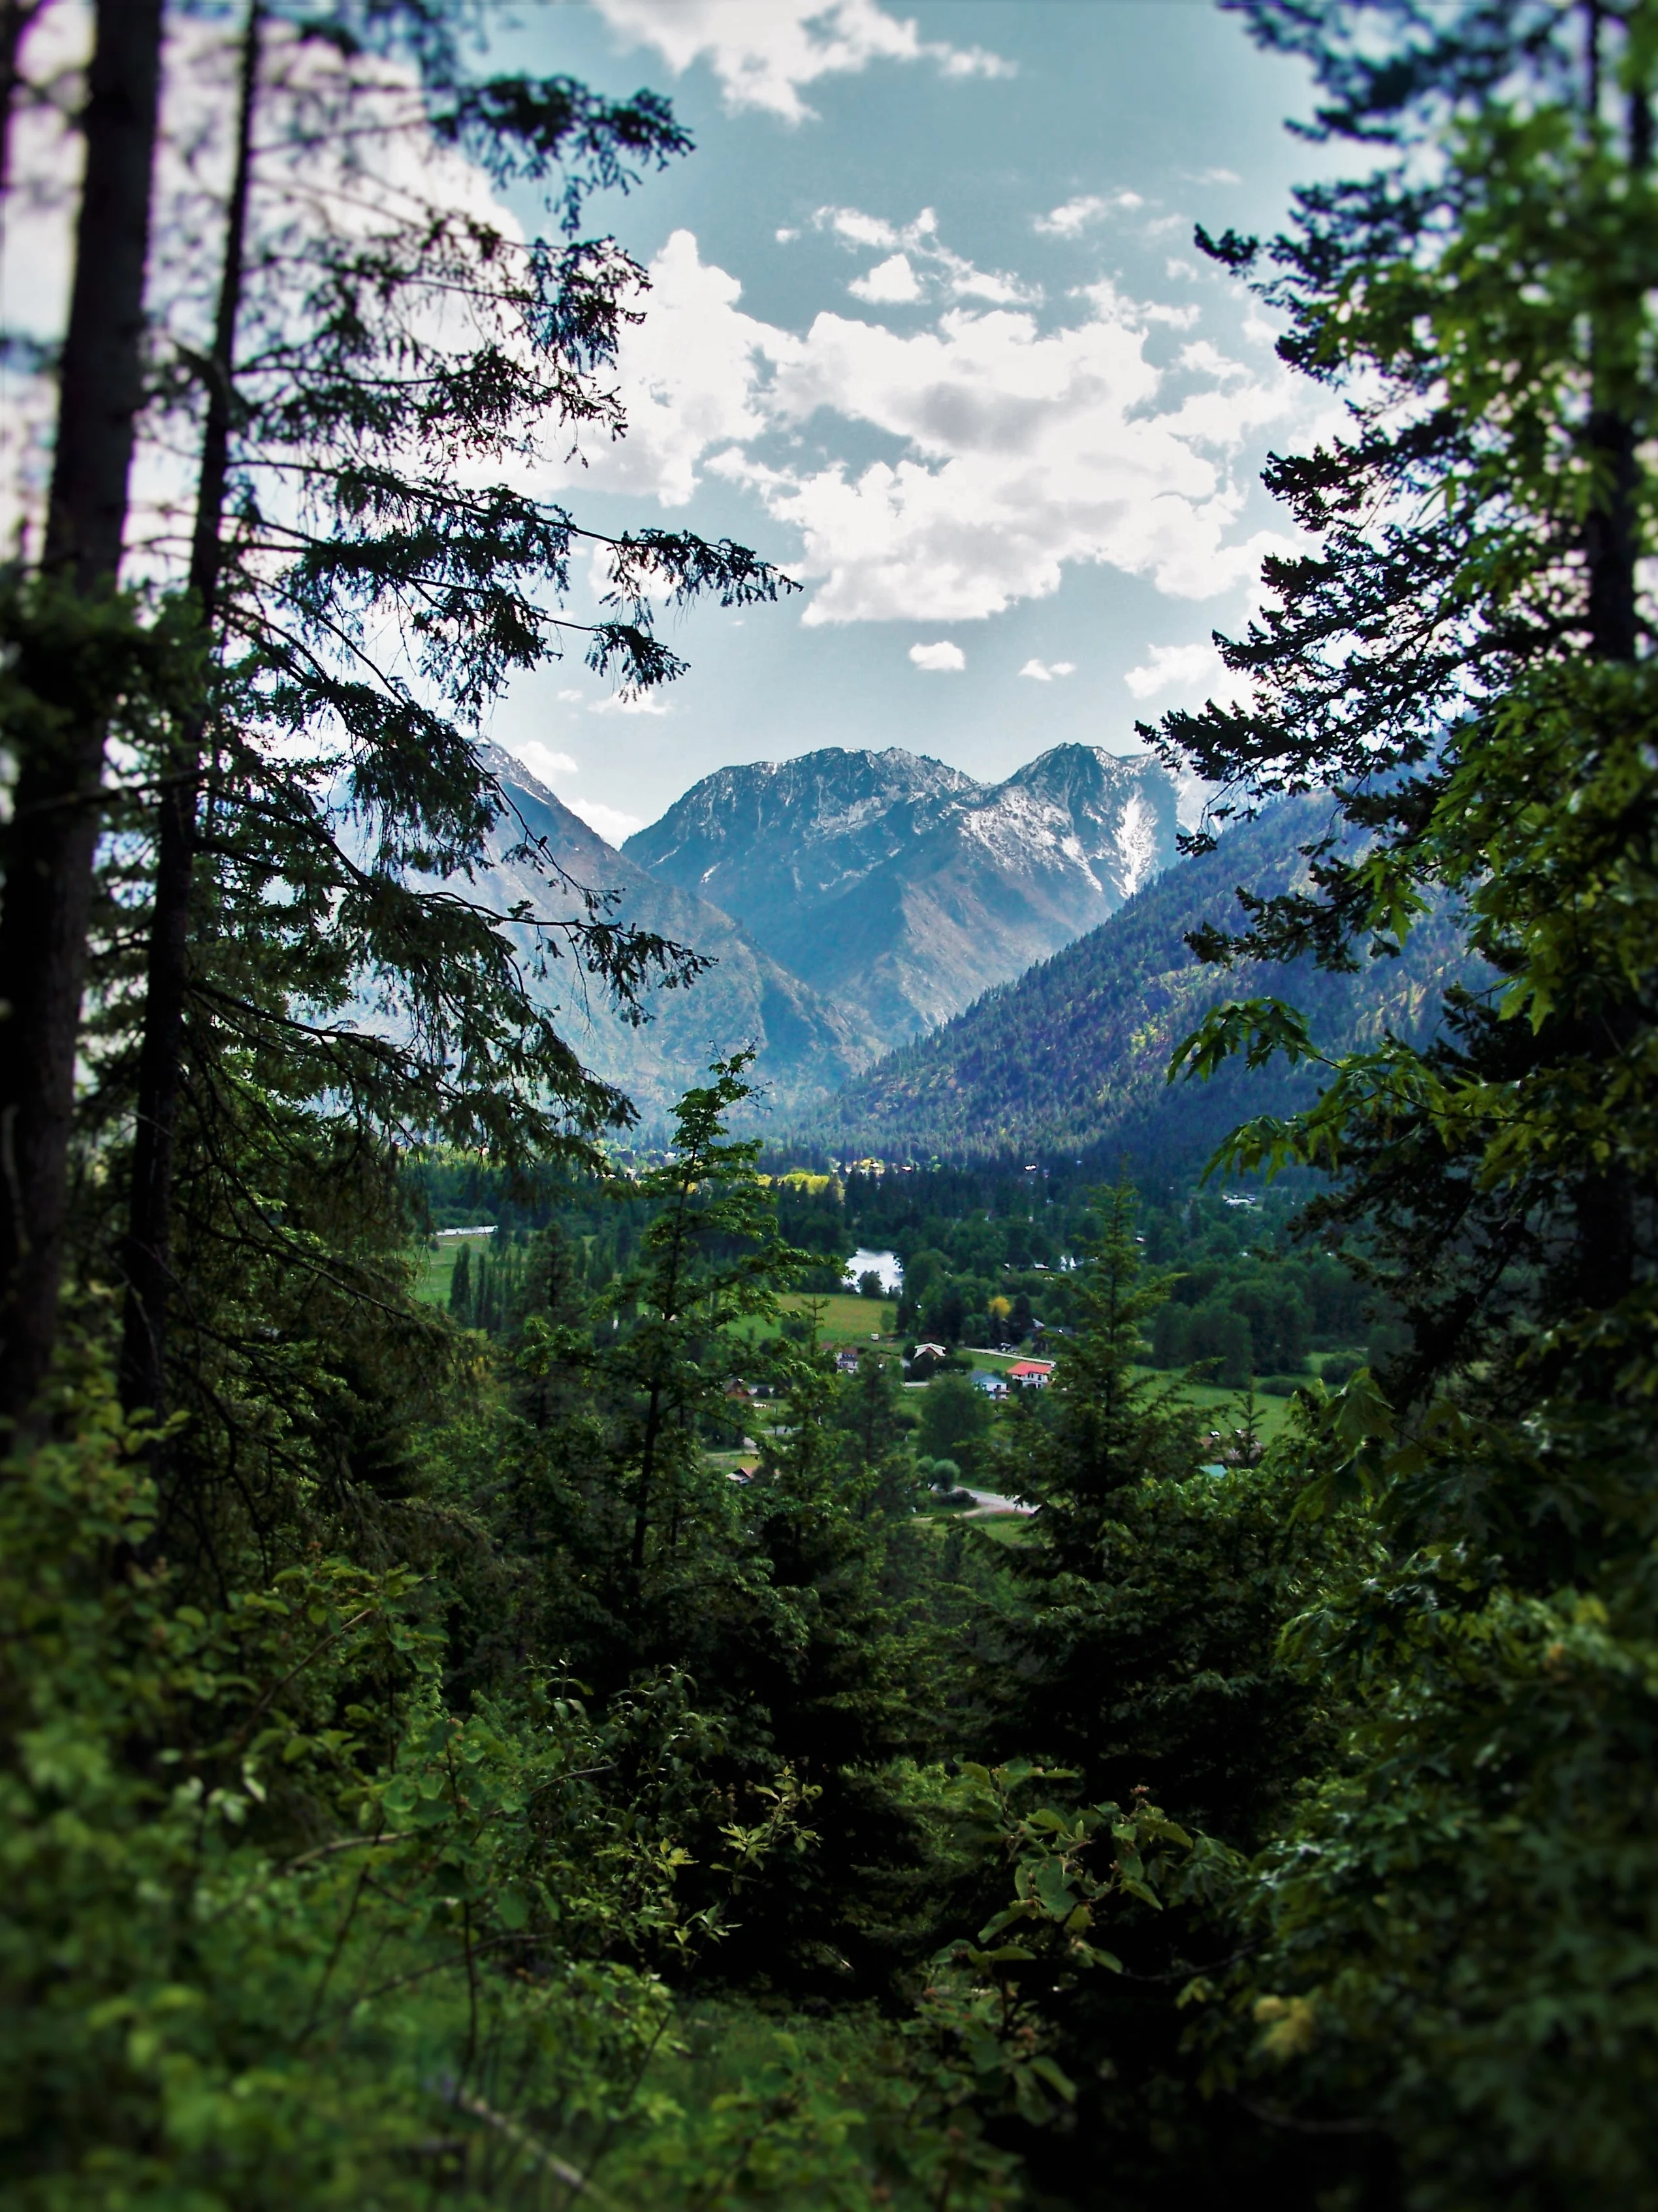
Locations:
(1037, 1373)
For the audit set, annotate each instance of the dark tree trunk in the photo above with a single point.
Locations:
(50, 842)
(1605, 1205)
(148, 1255)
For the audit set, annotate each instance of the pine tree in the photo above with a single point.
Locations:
(74, 655)
(460, 1285)
(1106, 1428)
(711, 1256)
(374, 350)
(1464, 661)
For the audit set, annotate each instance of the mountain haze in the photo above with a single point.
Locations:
(900, 890)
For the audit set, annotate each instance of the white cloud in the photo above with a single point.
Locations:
(1044, 671)
(689, 378)
(1028, 449)
(573, 698)
(939, 660)
(763, 51)
(613, 824)
(920, 239)
(1216, 177)
(892, 281)
(630, 702)
(1021, 448)
(858, 228)
(786, 237)
(1196, 669)
(543, 763)
(1071, 220)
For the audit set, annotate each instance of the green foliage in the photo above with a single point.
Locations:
(1102, 1429)
(280, 1927)
(955, 1419)
(1160, 1664)
(1453, 1936)
(1070, 1060)
(451, 1779)
(1449, 1948)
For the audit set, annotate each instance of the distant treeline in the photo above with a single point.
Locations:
(988, 1254)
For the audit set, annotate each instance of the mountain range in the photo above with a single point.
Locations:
(900, 890)
(805, 1047)
(928, 965)
(1073, 1057)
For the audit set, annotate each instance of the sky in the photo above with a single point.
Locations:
(927, 327)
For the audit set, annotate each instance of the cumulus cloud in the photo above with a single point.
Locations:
(542, 761)
(613, 824)
(1044, 671)
(690, 378)
(1075, 216)
(1196, 669)
(630, 702)
(892, 280)
(940, 660)
(942, 271)
(1018, 445)
(1028, 449)
(763, 51)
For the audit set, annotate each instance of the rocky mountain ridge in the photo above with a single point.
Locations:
(900, 890)
(1073, 1057)
(805, 1047)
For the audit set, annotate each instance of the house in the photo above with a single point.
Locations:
(1035, 1374)
(993, 1386)
(846, 1363)
(933, 1350)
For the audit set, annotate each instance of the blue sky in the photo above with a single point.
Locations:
(927, 325)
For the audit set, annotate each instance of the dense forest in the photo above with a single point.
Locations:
(573, 1740)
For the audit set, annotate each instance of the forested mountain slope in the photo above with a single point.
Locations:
(900, 890)
(1073, 1055)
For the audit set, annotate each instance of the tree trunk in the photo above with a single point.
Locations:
(146, 1252)
(50, 842)
(1605, 1206)
(642, 1491)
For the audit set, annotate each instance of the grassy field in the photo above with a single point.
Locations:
(1225, 1407)
(437, 1268)
(844, 1319)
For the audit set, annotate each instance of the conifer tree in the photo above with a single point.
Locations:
(1106, 1429)
(375, 350)
(1465, 659)
(460, 1285)
(711, 1256)
(73, 647)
